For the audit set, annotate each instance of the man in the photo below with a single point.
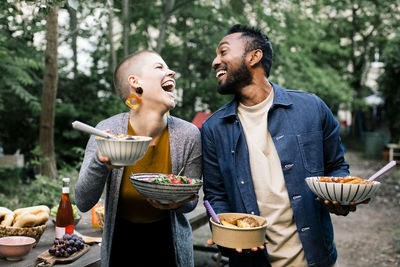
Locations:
(259, 148)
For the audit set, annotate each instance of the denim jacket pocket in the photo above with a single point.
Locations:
(312, 152)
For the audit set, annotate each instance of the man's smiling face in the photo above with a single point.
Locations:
(230, 64)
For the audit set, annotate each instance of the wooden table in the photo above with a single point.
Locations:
(197, 218)
(91, 258)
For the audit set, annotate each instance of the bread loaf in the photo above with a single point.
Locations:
(6, 216)
(31, 216)
(32, 210)
(25, 220)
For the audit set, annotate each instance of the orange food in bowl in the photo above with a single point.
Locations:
(344, 180)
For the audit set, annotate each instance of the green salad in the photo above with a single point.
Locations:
(174, 179)
(75, 210)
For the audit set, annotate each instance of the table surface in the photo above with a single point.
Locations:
(85, 228)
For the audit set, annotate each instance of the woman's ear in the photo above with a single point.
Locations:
(133, 81)
(255, 57)
(135, 84)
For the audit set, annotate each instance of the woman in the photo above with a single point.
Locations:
(135, 228)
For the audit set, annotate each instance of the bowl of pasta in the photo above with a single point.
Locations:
(123, 150)
(343, 189)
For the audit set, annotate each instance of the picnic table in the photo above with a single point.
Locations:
(91, 258)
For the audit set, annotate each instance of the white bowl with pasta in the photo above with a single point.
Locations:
(123, 151)
(343, 189)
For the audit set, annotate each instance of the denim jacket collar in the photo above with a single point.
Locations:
(281, 98)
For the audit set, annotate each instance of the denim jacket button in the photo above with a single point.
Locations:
(242, 182)
(288, 166)
(233, 151)
(252, 212)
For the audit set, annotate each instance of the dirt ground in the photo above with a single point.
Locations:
(369, 237)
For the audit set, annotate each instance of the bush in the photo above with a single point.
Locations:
(17, 192)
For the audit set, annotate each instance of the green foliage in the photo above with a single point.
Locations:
(390, 86)
(17, 192)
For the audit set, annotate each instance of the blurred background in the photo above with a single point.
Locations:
(58, 56)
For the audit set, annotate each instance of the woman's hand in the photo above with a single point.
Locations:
(239, 250)
(341, 210)
(172, 205)
(106, 160)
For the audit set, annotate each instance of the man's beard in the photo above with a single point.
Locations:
(236, 80)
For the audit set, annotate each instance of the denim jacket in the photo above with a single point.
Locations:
(306, 137)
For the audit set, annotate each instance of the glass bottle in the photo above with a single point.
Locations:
(65, 215)
(95, 221)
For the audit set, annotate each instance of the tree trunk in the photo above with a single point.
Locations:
(46, 138)
(113, 55)
(73, 28)
(126, 28)
(169, 6)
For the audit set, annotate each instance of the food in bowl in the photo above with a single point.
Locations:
(173, 179)
(126, 136)
(243, 222)
(157, 186)
(16, 247)
(344, 180)
(250, 233)
(123, 151)
(342, 192)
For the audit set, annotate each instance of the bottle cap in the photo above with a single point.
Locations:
(66, 180)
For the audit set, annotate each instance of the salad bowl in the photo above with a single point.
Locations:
(164, 187)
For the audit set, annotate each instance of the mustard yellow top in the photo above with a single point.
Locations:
(132, 206)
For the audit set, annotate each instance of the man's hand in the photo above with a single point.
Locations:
(172, 205)
(239, 250)
(341, 210)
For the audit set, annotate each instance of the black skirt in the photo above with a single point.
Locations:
(142, 244)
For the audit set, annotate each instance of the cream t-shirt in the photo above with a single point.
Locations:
(284, 246)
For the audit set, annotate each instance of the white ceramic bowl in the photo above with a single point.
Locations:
(124, 152)
(233, 237)
(15, 247)
(342, 192)
(163, 192)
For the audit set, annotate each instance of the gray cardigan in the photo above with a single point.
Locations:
(185, 146)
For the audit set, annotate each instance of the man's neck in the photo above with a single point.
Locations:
(255, 93)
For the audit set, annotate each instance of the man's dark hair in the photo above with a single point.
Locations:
(255, 40)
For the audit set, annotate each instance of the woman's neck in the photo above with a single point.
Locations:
(149, 123)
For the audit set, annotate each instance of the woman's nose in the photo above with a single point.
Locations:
(171, 73)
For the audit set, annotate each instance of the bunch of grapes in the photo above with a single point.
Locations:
(67, 245)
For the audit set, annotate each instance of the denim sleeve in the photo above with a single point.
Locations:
(334, 162)
(213, 182)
